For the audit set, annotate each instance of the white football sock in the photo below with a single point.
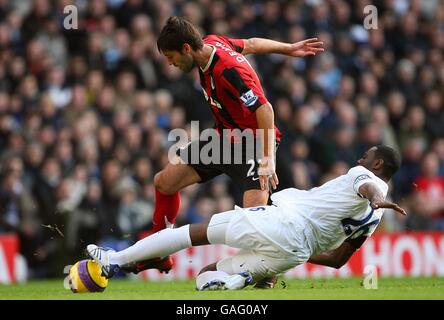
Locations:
(208, 276)
(159, 244)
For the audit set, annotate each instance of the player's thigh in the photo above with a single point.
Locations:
(175, 177)
(258, 265)
(218, 227)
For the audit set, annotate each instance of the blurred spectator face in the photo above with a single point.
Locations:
(193, 13)
(163, 101)
(376, 38)
(371, 134)
(341, 12)
(304, 120)
(106, 98)
(16, 142)
(111, 172)
(133, 137)
(97, 8)
(409, 23)
(105, 137)
(430, 165)
(47, 136)
(107, 25)
(95, 81)
(51, 171)
(94, 191)
(369, 84)
(88, 151)
(177, 118)
(396, 103)
(95, 44)
(205, 208)
(344, 137)
(79, 98)
(148, 120)
(122, 154)
(126, 82)
(299, 149)
(347, 87)
(433, 101)
(64, 151)
(346, 113)
(414, 149)
(283, 110)
(56, 77)
(406, 70)
(78, 67)
(47, 107)
(415, 117)
(17, 68)
(29, 87)
(141, 25)
(142, 169)
(143, 101)
(121, 119)
(41, 7)
(380, 116)
(122, 41)
(301, 177)
(15, 165)
(34, 154)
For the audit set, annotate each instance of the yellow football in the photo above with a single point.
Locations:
(86, 276)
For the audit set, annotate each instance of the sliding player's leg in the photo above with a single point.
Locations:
(160, 244)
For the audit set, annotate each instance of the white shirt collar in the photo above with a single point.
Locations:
(209, 60)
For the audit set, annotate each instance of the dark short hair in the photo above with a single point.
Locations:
(392, 160)
(176, 32)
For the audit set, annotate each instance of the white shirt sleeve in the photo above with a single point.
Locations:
(360, 175)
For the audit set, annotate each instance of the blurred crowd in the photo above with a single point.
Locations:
(85, 113)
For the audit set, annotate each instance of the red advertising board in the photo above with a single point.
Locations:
(9, 248)
(398, 254)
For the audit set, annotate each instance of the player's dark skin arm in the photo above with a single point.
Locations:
(338, 257)
(376, 198)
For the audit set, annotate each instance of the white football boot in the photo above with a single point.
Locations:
(231, 282)
(101, 256)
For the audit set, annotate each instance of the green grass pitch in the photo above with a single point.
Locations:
(286, 289)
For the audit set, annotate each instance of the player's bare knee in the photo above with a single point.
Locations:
(210, 267)
(161, 184)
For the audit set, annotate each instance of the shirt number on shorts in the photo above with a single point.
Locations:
(257, 209)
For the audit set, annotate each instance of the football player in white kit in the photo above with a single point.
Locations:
(323, 225)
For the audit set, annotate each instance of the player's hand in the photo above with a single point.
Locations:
(308, 47)
(387, 204)
(267, 174)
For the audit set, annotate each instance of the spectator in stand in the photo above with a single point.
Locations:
(428, 198)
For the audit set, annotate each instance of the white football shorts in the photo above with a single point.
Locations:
(267, 246)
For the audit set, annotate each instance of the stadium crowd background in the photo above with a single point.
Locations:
(84, 114)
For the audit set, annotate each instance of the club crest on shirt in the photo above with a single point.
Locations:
(249, 98)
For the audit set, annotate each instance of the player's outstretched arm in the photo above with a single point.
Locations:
(308, 47)
(338, 257)
(376, 198)
(267, 168)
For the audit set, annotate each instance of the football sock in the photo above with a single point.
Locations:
(208, 276)
(159, 244)
(167, 207)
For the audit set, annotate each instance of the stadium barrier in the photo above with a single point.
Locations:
(13, 266)
(397, 254)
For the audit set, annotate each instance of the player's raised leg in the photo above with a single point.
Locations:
(168, 183)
